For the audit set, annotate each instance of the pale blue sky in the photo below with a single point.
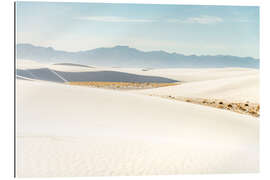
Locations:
(200, 30)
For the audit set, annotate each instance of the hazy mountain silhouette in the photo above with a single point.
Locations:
(124, 56)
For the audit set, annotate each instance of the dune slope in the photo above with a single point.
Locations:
(67, 130)
(233, 89)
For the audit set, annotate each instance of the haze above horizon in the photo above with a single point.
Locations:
(190, 30)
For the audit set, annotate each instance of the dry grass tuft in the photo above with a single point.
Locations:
(122, 85)
(248, 108)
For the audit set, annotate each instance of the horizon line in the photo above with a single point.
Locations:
(135, 49)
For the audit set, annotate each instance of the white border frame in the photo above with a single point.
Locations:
(7, 87)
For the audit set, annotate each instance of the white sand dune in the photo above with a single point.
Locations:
(188, 75)
(67, 67)
(24, 78)
(73, 72)
(179, 74)
(29, 64)
(233, 89)
(67, 130)
(70, 68)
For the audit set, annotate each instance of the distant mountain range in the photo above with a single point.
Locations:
(124, 56)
